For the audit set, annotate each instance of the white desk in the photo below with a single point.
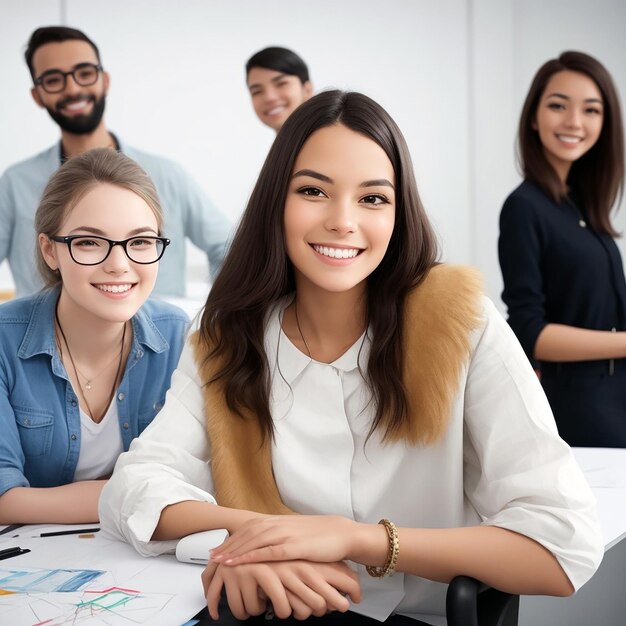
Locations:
(602, 601)
(157, 591)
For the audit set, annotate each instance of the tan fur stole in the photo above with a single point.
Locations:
(439, 316)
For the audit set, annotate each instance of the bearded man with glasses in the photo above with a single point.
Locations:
(70, 83)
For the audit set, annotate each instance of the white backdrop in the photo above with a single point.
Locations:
(453, 74)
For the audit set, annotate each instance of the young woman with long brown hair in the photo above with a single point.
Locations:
(342, 374)
(563, 274)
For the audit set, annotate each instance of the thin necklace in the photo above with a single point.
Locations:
(306, 345)
(581, 220)
(88, 381)
(69, 353)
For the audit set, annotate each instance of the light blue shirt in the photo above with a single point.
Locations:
(187, 210)
(39, 410)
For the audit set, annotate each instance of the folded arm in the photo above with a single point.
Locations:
(192, 516)
(496, 556)
(75, 503)
(560, 343)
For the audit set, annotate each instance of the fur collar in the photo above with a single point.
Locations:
(439, 317)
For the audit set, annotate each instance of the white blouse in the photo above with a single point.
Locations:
(499, 463)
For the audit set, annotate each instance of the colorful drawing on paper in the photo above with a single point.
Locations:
(45, 580)
(64, 598)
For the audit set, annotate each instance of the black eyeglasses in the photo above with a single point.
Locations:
(90, 250)
(54, 81)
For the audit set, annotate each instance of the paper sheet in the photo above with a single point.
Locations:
(108, 583)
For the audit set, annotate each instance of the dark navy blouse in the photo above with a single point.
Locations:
(555, 270)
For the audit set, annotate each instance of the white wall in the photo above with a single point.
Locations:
(453, 74)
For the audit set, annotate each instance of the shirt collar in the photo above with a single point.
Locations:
(39, 337)
(291, 362)
(61, 154)
(146, 333)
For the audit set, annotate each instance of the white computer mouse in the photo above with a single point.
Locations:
(195, 548)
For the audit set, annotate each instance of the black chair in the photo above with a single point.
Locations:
(468, 603)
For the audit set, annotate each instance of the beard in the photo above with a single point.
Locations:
(79, 124)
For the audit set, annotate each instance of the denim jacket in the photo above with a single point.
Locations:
(39, 411)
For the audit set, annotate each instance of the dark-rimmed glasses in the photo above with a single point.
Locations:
(84, 74)
(92, 250)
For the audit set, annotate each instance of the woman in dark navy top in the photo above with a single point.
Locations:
(563, 275)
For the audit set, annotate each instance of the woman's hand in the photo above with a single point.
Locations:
(297, 588)
(319, 538)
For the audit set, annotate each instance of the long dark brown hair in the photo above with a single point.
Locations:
(597, 178)
(257, 272)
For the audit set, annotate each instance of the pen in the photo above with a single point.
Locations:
(7, 553)
(10, 528)
(77, 531)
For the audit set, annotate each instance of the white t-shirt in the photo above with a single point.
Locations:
(500, 461)
(100, 445)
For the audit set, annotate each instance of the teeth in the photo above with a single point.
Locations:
(74, 106)
(114, 288)
(569, 138)
(275, 110)
(336, 253)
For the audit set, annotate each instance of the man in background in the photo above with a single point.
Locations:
(71, 84)
(278, 81)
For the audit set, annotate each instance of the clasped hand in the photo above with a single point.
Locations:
(293, 561)
(317, 538)
(297, 588)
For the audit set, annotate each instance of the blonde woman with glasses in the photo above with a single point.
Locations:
(86, 362)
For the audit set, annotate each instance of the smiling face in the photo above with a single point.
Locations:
(568, 119)
(340, 210)
(114, 289)
(275, 96)
(76, 109)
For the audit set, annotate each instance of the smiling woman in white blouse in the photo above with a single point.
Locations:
(342, 374)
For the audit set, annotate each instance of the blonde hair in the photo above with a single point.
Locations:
(74, 179)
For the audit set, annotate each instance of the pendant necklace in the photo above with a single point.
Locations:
(581, 220)
(88, 385)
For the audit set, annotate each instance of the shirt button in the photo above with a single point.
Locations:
(73, 437)
(120, 396)
(125, 426)
(73, 402)
(26, 422)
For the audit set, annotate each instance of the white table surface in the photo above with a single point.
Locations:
(605, 470)
(159, 591)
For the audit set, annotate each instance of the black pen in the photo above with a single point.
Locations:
(7, 553)
(10, 528)
(77, 531)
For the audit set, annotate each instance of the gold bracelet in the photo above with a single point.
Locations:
(392, 555)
